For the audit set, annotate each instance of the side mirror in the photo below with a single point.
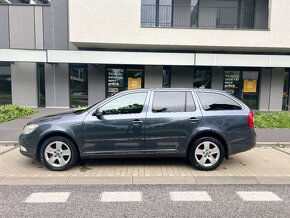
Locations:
(98, 113)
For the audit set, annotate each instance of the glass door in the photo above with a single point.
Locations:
(243, 84)
(119, 78)
(285, 102)
(5, 84)
(41, 84)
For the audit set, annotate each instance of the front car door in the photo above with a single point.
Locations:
(119, 127)
(171, 119)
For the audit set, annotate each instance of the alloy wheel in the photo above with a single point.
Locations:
(207, 153)
(57, 154)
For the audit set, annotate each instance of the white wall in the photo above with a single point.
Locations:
(103, 24)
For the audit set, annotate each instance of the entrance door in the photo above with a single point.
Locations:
(243, 84)
(118, 127)
(119, 78)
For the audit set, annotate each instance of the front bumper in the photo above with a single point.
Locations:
(28, 146)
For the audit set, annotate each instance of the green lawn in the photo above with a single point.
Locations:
(12, 112)
(272, 120)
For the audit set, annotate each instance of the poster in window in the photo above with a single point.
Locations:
(134, 83)
(250, 86)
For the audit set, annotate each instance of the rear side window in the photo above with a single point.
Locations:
(173, 102)
(213, 101)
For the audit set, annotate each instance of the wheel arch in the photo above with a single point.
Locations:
(209, 133)
(53, 134)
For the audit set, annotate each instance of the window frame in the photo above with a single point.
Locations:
(114, 97)
(220, 93)
(185, 106)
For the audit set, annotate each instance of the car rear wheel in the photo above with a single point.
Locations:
(58, 153)
(206, 153)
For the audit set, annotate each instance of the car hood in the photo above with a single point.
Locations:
(54, 117)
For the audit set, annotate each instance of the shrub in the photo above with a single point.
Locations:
(272, 120)
(12, 112)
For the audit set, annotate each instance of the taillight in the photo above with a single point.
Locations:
(251, 123)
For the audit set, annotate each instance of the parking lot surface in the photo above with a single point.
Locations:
(261, 165)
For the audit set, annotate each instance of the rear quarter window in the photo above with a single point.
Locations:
(214, 101)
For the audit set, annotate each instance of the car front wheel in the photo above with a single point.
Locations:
(206, 153)
(58, 153)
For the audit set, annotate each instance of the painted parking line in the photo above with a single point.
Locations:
(121, 196)
(190, 196)
(48, 197)
(258, 196)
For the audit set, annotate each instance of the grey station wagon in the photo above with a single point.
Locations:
(202, 125)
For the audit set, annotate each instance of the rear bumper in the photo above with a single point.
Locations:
(241, 141)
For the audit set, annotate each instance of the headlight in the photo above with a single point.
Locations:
(29, 128)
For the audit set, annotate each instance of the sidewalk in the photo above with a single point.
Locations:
(261, 165)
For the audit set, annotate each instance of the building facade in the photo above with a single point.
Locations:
(65, 53)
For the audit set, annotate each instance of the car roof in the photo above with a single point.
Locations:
(177, 89)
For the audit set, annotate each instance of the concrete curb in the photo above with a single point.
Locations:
(279, 144)
(149, 180)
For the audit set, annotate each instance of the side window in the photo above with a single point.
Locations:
(214, 101)
(172, 102)
(126, 104)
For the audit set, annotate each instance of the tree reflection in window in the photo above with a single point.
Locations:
(127, 104)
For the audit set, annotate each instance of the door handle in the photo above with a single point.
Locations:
(137, 122)
(193, 119)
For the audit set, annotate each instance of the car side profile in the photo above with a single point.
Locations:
(202, 125)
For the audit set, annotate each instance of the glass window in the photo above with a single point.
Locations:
(78, 85)
(243, 85)
(41, 84)
(166, 82)
(5, 84)
(232, 83)
(213, 101)
(127, 104)
(172, 102)
(285, 103)
(148, 15)
(202, 78)
(115, 80)
(124, 78)
(249, 94)
(190, 105)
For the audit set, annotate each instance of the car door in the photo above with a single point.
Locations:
(118, 125)
(171, 119)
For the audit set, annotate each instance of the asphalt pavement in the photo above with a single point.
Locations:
(145, 201)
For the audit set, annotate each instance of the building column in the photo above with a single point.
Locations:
(271, 89)
(276, 93)
(24, 84)
(96, 83)
(217, 78)
(265, 87)
(182, 77)
(57, 85)
(153, 76)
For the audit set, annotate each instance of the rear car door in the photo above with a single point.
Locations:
(171, 119)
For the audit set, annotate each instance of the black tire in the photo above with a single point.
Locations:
(68, 145)
(195, 159)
